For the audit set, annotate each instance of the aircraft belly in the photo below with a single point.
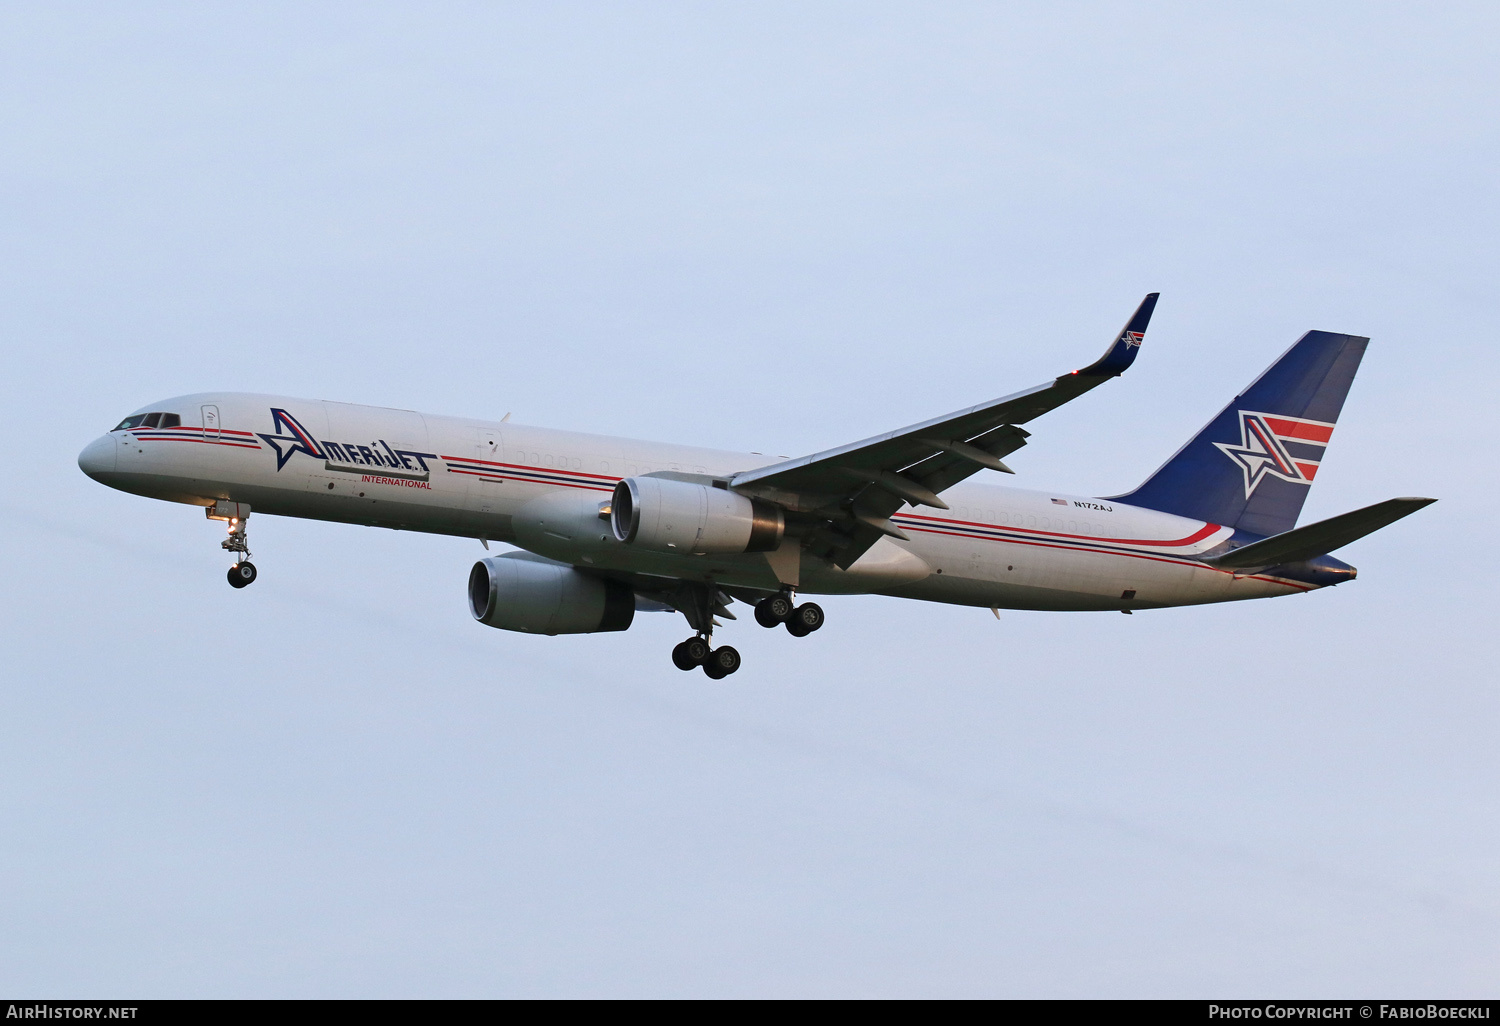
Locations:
(378, 512)
(172, 488)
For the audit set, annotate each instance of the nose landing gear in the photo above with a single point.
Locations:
(235, 515)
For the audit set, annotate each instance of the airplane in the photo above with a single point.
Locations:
(604, 527)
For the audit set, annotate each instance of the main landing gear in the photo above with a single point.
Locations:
(718, 663)
(701, 603)
(778, 609)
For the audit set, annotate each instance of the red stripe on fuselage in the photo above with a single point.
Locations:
(199, 441)
(523, 466)
(189, 427)
(1197, 536)
(491, 476)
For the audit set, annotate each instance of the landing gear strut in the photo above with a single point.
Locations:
(235, 514)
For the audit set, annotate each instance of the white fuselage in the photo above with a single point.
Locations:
(997, 546)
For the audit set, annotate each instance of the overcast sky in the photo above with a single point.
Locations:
(773, 227)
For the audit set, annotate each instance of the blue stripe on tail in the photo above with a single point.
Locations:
(1252, 466)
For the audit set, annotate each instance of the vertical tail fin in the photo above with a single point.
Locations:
(1251, 467)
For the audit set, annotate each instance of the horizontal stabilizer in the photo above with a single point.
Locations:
(1317, 539)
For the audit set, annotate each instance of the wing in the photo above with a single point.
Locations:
(844, 497)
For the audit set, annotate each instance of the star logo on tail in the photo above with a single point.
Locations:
(1287, 448)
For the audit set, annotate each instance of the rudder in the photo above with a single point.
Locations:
(1250, 468)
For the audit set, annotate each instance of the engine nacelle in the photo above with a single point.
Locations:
(518, 592)
(680, 516)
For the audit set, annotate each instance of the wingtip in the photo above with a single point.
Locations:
(1142, 316)
(1122, 351)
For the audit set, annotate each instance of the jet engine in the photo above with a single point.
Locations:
(681, 516)
(519, 592)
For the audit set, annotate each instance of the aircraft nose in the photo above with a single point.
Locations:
(98, 457)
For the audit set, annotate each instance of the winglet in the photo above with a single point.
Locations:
(1121, 352)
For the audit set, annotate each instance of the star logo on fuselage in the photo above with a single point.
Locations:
(1261, 454)
(293, 440)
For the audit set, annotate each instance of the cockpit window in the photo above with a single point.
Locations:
(150, 420)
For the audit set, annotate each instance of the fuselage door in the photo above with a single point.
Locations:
(210, 422)
(484, 491)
